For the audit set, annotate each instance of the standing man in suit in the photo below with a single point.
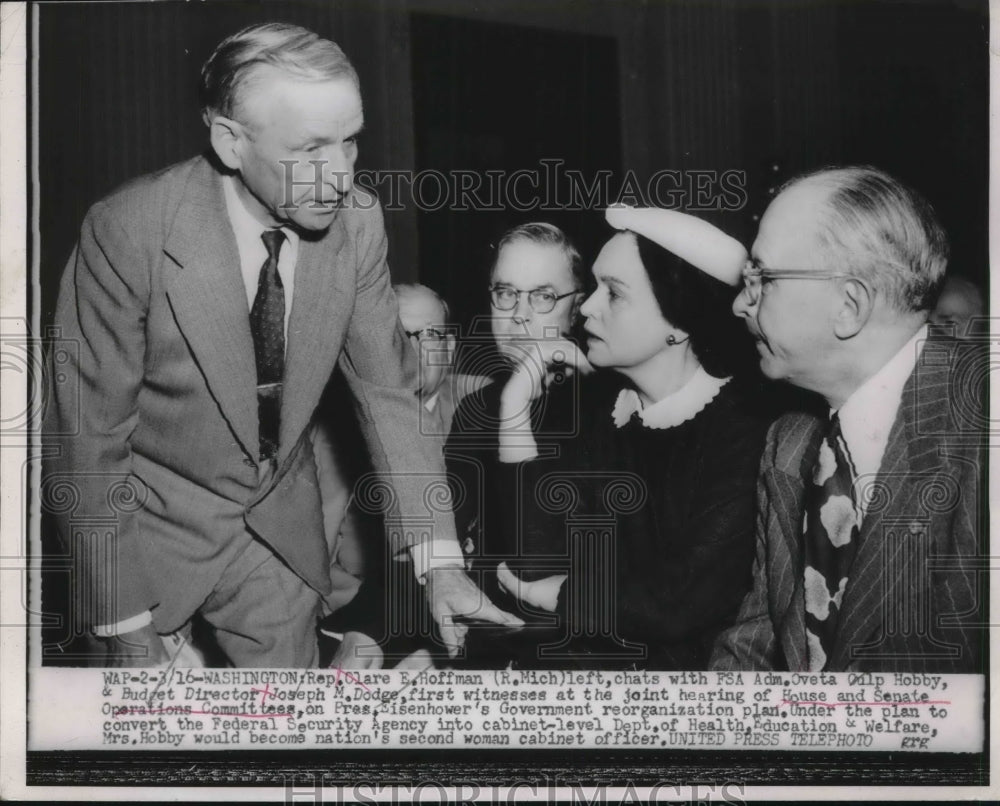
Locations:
(870, 524)
(210, 303)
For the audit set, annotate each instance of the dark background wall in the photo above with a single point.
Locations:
(493, 97)
(768, 88)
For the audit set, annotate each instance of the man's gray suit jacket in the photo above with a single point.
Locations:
(156, 484)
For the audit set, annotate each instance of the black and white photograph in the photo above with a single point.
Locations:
(414, 400)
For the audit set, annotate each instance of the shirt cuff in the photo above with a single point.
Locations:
(511, 454)
(435, 554)
(126, 625)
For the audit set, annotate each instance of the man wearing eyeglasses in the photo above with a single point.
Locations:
(536, 287)
(210, 303)
(869, 523)
(424, 315)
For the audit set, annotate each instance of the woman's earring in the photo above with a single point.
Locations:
(672, 340)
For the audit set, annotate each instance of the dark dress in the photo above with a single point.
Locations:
(654, 526)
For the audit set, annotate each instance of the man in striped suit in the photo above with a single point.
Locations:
(871, 526)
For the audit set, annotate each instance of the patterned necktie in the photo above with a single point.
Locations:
(831, 529)
(267, 325)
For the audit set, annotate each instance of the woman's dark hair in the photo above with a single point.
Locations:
(701, 306)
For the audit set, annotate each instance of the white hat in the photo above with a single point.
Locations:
(701, 244)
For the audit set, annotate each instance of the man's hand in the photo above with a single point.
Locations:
(417, 661)
(357, 651)
(451, 593)
(139, 648)
(538, 364)
(540, 593)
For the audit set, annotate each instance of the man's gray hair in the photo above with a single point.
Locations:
(546, 234)
(236, 62)
(883, 232)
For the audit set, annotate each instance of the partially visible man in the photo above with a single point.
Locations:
(211, 302)
(358, 609)
(425, 315)
(960, 303)
(870, 524)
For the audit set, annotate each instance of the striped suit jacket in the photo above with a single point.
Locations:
(916, 597)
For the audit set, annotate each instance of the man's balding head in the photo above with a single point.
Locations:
(425, 317)
(878, 229)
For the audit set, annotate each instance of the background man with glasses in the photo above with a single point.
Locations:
(425, 317)
(870, 524)
(361, 594)
(536, 287)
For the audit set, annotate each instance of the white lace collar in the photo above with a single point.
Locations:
(675, 408)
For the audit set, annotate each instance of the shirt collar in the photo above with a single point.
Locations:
(675, 408)
(868, 414)
(246, 228)
(431, 402)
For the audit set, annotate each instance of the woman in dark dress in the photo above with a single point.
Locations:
(637, 529)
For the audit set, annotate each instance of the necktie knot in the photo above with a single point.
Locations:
(273, 239)
(833, 432)
(836, 442)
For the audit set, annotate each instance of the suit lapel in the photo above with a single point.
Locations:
(319, 314)
(882, 569)
(208, 299)
(868, 588)
(798, 456)
(792, 628)
(448, 402)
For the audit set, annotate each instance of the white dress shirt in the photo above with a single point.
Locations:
(868, 414)
(253, 253)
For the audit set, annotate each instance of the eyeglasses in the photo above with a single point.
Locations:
(505, 298)
(754, 276)
(426, 334)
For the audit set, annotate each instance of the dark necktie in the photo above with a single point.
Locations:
(267, 324)
(831, 531)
